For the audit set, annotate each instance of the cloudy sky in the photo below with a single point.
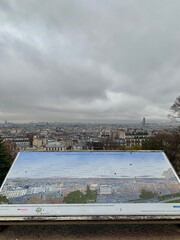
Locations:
(88, 60)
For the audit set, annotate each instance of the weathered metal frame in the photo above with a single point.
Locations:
(155, 219)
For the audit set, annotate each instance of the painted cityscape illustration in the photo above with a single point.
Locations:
(91, 177)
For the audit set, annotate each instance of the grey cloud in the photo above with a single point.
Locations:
(88, 60)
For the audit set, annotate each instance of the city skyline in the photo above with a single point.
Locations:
(88, 61)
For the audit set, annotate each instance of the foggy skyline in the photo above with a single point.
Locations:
(88, 60)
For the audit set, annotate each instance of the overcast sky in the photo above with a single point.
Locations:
(88, 59)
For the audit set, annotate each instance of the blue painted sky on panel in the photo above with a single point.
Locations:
(89, 164)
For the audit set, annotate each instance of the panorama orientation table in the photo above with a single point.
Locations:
(90, 187)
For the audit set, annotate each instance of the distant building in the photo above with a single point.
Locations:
(118, 134)
(20, 141)
(135, 137)
(105, 190)
(39, 141)
(54, 146)
(144, 121)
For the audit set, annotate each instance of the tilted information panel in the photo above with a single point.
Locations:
(90, 184)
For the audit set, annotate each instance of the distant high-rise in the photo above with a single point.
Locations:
(144, 121)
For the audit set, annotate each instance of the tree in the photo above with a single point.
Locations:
(11, 150)
(168, 142)
(175, 109)
(135, 147)
(88, 191)
(80, 197)
(3, 199)
(5, 161)
(146, 194)
(111, 144)
(30, 136)
(75, 197)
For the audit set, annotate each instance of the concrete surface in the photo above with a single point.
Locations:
(88, 232)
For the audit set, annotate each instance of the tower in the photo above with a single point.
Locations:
(144, 121)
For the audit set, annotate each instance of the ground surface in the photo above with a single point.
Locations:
(88, 232)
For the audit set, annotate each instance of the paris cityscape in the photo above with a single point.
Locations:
(57, 136)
